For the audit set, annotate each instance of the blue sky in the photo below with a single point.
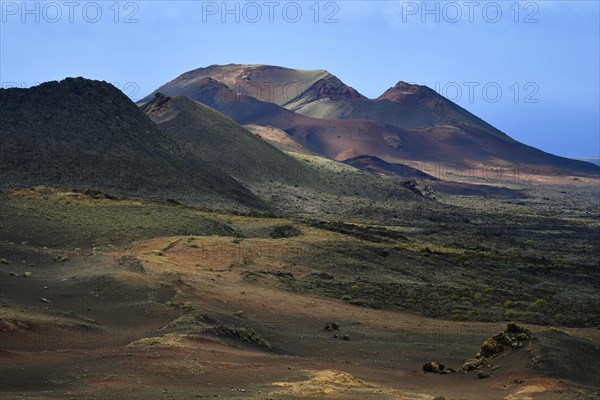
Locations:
(530, 68)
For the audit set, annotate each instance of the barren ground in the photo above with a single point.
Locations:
(211, 305)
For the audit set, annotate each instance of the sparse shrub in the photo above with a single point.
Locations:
(510, 313)
(456, 315)
(346, 298)
(489, 290)
(478, 297)
(538, 303)
(455, 297)
(508, 304)
(426, 251)
(470, 314)
(355, 287)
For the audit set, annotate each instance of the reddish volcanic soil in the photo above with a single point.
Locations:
(140, 324)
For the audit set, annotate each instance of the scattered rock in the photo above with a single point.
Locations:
(332, 326)
(244, 334)
(285, 231)
(429, 192)
(514, 336)
(323, 275)
(27, 274)
(342, 336)
(157, 252)
(61, 258)
(4, 261)
(483, 375)
(433, 366)
(449, 371)
(472, 364)
(45, 300)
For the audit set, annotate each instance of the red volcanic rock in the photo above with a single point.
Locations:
(406, 93)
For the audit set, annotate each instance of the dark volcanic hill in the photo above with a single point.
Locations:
(406, 123)
(221, 141)
(264, 169)
(79, 133)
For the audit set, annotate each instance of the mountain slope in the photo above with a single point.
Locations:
(80, 133)
(406, 123)
(377, 165)
(224, 143)
(277, 177)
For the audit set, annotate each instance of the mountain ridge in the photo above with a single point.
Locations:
(405, 123)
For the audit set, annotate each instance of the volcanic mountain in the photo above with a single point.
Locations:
(225, 144)
(217, 139)
(406, 123)
(79, 133)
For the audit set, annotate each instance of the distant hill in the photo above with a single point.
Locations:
(80, 133)
(595, 161)
(325, 116)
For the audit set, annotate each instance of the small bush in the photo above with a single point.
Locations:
(456, 315)
(508, 304)
(510, 313)
(346, 298)
(539, 303)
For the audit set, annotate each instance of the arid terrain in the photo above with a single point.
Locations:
(118, 298)
(167, 252)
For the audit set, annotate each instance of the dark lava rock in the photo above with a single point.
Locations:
(332, 326)
(483, 375)
(514, 336)
(433, 366)
(285, 231)
(472, 364)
